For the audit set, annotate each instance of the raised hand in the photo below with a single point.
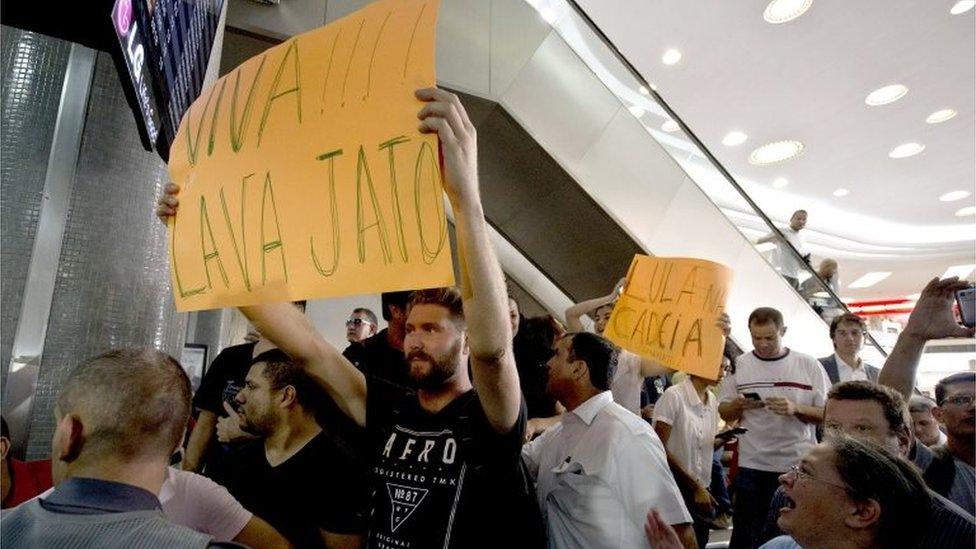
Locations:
(168, 203)
(724, 323)
(932, 317)
(619, 288)
(444, 115)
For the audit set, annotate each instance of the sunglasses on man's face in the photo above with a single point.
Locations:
(357, 322)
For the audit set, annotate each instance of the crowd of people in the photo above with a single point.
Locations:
(463, 424)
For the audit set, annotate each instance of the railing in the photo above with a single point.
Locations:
(635, 91)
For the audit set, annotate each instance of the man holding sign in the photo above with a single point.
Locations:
(446, 469)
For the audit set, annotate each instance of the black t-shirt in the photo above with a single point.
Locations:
(375, 357)
(446, 479)
(223, 380)
(320, 487)
(533, 378)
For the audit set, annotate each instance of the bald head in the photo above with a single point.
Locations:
(132, 403)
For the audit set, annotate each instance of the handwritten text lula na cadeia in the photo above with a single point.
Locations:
(664, 313)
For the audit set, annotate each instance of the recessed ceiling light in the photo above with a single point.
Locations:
(954, 195)
(644, 91)
(636, 111)
(968, 210)
(781, 11)
(906, 149)
(962, 271)
(841, 192)
(962, 6)
(670, 126)
(780, 182)
(869, 280)
(732, 139)
(941, 116)
(777, 151)
(886, 94)
(671, 57)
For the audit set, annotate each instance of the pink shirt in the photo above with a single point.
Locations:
(195, 501)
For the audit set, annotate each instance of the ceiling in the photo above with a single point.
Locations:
(807, 79)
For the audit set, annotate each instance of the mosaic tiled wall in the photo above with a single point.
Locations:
(112, 286)
(32, 68)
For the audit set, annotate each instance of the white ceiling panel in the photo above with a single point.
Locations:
(559, 102)
(629, 174)
(463, 45)
(280, 21)
(516, 31)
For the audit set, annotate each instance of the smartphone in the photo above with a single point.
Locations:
(731, 433)
(966, 298)
(752, 396)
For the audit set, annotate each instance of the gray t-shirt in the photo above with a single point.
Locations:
(963, 489)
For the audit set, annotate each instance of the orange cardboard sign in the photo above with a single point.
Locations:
(668, 311)
(303, 174)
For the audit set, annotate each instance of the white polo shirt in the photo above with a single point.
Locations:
(789, 265)
(597, 473)
(775, 442)
(693, 427)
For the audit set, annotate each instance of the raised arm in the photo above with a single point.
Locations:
(576, 312)
(290, 331)
(931, 319)
(482, 283)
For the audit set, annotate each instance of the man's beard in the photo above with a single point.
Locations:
(441, 368)
(260, 426)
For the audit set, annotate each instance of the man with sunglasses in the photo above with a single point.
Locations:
(360, 325)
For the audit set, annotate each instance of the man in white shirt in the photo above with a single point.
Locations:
(631, 368)
(784, 259)
(778, 395)
(686, 419)
(847, 333)
(601, 468)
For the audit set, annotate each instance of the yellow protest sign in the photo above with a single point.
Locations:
(303, 174)
(668, 311)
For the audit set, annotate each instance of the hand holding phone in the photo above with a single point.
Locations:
(966, 298)
(749, 401)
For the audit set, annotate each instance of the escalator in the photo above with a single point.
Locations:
(583, 164)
